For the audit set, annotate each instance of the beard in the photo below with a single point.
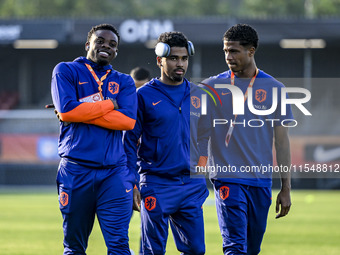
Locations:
(177, 78)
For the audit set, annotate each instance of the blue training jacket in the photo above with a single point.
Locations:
(74, 93)
(164, 128)
(249, 156)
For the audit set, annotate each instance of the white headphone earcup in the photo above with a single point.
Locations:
(162, 49)
(191, 48)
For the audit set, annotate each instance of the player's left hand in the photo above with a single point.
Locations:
(283, 200)
(136, 200)
(58, 116)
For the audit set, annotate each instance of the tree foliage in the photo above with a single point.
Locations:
(273, 8)
(166, 8)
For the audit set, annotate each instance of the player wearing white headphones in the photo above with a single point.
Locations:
(169, 194)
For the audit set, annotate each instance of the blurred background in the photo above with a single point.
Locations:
(299, 45)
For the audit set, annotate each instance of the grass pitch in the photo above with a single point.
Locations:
(31, 224)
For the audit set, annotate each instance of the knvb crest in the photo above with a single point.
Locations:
(224, 192)
(63, 198)
(260, 95)
(196, 102)
(150, 203)
(113, 87)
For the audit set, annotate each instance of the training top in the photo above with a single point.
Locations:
(94, 137)
(249, 155)
(164, 127)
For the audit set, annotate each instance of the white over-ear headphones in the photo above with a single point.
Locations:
(163, 49)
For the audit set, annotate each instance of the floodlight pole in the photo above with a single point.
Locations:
(307, 45)
(307, 72)
(197, 63)
(25, 70)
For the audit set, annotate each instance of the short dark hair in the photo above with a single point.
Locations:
(174, 39)
(102, 27)
(245, 34)
(140, 73)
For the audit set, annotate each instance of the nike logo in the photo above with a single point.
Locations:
(81, 83)
(156, 103)
(322, 155)
(128, 190)
(223, 94)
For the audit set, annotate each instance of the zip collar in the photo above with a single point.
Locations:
(156, 84)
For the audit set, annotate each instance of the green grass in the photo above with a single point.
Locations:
(30, 223)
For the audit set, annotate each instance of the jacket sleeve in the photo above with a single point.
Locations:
(100, 113)
(114, 120)
(65, 99)
(131, 140)
(85, 112)
(203, 135)
(123, 118)
(204, 128)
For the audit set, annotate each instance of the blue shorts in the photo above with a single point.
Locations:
(181, 204)
(242, 213)
(85, 192)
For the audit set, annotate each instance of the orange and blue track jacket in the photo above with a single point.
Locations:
(94, 137)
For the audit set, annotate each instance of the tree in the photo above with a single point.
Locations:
(273, 8)
(168, 8)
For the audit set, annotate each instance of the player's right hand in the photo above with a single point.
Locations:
(48, 106)
(58, 116)
(136, 200)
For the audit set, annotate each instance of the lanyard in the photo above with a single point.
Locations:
(251, 83)
(231, 127)
(99, 82)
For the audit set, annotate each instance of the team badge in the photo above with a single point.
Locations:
(63, 198)
(150, 203)
(113, 87)
(224, 192)
(196, 102)
(260, 95)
